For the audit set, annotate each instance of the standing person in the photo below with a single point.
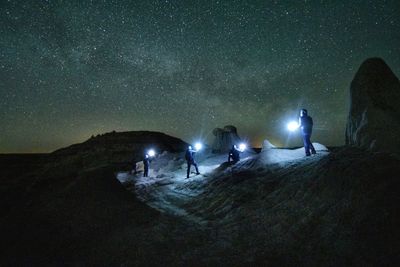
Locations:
(189, 156)
(234, 154)
(306, 125)
(146, 165)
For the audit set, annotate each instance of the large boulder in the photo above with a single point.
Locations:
(374, 117)
(224, 139)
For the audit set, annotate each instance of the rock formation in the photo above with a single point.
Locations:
(224, 139)
(121, 147)
(374, 117)
(267, 145)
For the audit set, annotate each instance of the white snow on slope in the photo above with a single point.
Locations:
(168, 190)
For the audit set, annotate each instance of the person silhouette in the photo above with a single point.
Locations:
(234, 154)
(146, 165)
(189, 156)
(306, 125)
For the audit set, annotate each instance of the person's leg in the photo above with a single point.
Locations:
(235, 160)
(312, 149)
(197, 168)
(311, 145)
(306, 142)
(188, 169)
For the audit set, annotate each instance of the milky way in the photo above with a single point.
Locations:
(70, 69)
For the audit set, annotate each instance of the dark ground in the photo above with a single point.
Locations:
(61, 210)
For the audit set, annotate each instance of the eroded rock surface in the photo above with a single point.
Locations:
(224, 139)
(374, 117)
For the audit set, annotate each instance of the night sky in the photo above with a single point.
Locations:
(70, 69)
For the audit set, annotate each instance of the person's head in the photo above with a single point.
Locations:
(190, 147)
(235, 146)
(147, 156)
(303, 112)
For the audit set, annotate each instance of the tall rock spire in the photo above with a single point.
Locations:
(374, 118)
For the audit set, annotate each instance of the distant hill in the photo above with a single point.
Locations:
(119, 148)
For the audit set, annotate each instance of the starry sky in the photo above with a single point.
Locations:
(71, 69)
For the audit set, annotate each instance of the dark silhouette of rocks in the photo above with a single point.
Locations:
(127, 141)
(120, 147)
(374, 118)
(224, 139)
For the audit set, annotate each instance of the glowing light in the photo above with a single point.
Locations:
(242, 147)
(293, 126)
(151, 153)
(198, 146)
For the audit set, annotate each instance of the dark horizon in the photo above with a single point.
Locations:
(70, 70)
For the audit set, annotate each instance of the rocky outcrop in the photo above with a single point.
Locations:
(224, 139)
(374, 117)
(267, 145)
(120, 147)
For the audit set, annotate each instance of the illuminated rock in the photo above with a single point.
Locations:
(224, 139)
(267, 145)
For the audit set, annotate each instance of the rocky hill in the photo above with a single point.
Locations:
(119, 148)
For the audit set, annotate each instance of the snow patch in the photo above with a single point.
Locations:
(168, 190)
